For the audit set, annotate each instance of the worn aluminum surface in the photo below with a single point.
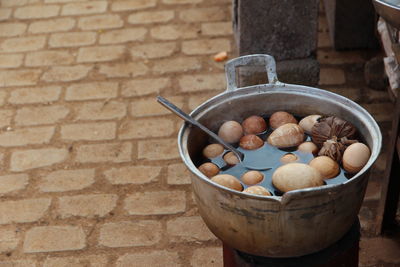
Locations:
(389, 10)
(301, 221)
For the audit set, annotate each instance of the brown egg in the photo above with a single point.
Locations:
(308, 122)
(254, 125)
(230, 131)
(229, 181)
(209, 169)
(257, 190)
(252, 177)
(230, 158)
(308, 147)
(288, 158)
(280, 118)
(213, 150)
(294, 176)
(287, 135)
(251, 142)
(355, 157)
(327, 167)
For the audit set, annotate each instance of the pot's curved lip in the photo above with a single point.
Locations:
(289, 89)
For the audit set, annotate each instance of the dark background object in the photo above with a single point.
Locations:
(352, 24)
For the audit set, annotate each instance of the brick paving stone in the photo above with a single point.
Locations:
(132, 174)
(92, 260)
(100, 53)
(158, 149)
(12, 29)
(133, 69)
(329, 76)
(19, 263)
(35, 158)
(91, 7)
(48, 58)
(26, 136)
(13, 182)
(125, 5)
(379, 249)
(36, 12)
(52, 25)
(9, 238)
(196, 83)
(109, 152)
(174, 2)
(130, 233)
(176, 31)
(153, 258)
(181, 64)
(336, 58)
(87, 205)
(23, 44)
(144, 128)
(95, 90)
(100, 22)
(201, 47)
(30, 95)
(150, 107)
(211, 256)
(105, 110)
(154, 50)
(204, 14)
(5, 117)
(72, 39)
(88, 131)
(216, 28)
(155, 203)
(178, 174)
(151, 17)
(40, 115)
(54, 238)
(66, 73)
(3, 96)
(23, 211)
(19, 77)
(186, 229)
(67, 180)
(5, 13)
(123, 36)
(11, 61)
(141, 87)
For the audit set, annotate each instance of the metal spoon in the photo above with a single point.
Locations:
(191, 120)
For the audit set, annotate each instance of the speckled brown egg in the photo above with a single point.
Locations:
(213, 150)
(230, 131)
(252, 177)
(280, 118)
(229, 181)
(209, 169)
(254, 125)
(230, 158)
(257, 190)
(251, 142)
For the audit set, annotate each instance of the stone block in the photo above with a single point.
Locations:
(284, 29)
(351, 24)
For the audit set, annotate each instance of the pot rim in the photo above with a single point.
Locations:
(279, 87)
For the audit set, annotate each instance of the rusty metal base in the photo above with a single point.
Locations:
(343, 253)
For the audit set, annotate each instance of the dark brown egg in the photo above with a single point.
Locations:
(229, 181)
(209, 169)
(254, 125)
(280, 118)
(252, 177)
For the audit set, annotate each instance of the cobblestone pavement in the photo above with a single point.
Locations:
(90, 173)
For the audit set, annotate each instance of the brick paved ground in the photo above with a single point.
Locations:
(90, 174)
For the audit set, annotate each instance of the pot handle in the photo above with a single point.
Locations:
(250, 60)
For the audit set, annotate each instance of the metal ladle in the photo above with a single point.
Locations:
(186, 117)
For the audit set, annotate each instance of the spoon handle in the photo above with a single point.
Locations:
(190, 119)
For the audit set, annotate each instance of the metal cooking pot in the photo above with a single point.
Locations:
(301, 221)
